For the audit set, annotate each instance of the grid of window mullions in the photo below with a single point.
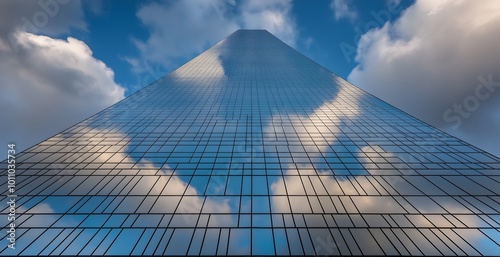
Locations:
(222, 241)
(254, 149)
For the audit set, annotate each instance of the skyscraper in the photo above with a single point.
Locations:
(252, 148)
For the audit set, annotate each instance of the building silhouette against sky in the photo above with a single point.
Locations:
(252, 148)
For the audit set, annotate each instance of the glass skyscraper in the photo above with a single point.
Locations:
(251, 148)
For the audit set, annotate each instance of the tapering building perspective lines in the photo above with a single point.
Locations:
(251, 148)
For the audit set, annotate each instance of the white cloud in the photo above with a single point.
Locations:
(273, 16)
(343, 9)
(166, 182)
(434, 57)
(181, 29)
(305, 126)
(48, 85)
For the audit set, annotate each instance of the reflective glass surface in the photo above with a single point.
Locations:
(252, 148)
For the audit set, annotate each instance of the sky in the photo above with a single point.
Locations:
(62, 61)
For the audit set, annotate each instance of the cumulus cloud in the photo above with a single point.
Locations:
(47, 84)
(273, 16)
(343, 9)
(439, 62)
(181, 29)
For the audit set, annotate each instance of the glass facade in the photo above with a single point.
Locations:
(253, 149)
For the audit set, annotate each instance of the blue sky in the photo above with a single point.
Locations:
(62, 61)
(321, 36)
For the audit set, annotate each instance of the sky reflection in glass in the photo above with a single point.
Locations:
(252, 148)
